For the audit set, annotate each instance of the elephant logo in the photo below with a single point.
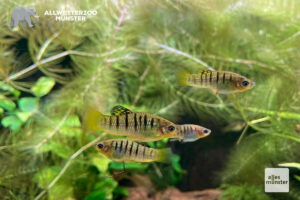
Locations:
(22, 14)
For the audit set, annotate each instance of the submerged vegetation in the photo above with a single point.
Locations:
(129, 54)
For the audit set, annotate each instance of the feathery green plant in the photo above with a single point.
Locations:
(130, 54)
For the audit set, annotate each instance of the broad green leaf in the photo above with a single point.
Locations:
(101, 162)
(97, 195)
(133, 166)
(60, 190)
(23, 116)
(43, 86)
(291, 164)
(175, 163)
(13, 122)
(70, 131)
(107, 185)
(120, 192)
(45, 176)
(7, 104)
(1, 111)
(10, 89)
(57, 148)
(72, 121)
(28, 104)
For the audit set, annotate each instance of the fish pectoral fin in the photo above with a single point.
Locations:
(119, 110)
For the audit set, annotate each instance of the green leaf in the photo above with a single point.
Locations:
(12, 122)
(119, 166)
(1, 111)
(107, 185)
(97, 195)
(58, 148)
(45, 176)
(101, 162)
(292, 164)
(120, 192)
(175, 163)
(10, 89)
(23, 116)
(43, 86)
(28, 104)
(7, 104)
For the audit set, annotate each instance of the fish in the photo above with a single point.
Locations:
(235, 127)
(222, 82)
(144, 127)
(190, 133)
(124, 150)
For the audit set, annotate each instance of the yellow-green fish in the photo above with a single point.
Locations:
(235, 126)
(190, 132)
(222, 82)
(136, 125)
(123, 150)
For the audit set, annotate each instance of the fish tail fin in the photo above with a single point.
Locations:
(164, 155)
(91, 119)
(181, 77)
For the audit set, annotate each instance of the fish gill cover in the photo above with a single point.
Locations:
(129, 53)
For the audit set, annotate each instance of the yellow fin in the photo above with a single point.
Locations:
(181, 77)
(164, 155)
(91, 119)
(119, 110)
(205, 71)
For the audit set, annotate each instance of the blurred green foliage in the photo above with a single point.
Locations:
(129, 54)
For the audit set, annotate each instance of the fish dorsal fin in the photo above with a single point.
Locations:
(206, 71)
(119, 110)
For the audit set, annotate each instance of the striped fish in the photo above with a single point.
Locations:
(136, 125)
(123, 150)
(221, 82)
(190, 132)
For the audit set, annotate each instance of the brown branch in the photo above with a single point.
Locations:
(140, 90)
(55, 57)
(238, 60)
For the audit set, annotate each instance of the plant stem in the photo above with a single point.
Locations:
(68, 163)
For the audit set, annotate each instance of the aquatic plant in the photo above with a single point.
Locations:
(130, 54)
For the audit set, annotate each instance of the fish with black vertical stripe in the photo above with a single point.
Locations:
(190, 133)
(222, 82)
(124, 150)
(139, 126)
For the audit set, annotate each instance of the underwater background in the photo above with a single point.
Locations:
(129, 54)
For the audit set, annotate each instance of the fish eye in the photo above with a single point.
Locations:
(100, 146)
(245, 83)
(171, 128)
(205, 131)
